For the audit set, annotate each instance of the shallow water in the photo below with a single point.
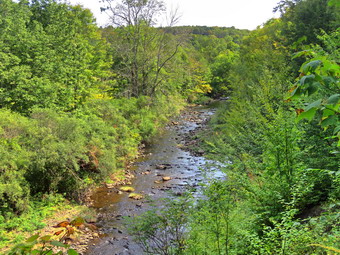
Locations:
(186, 170)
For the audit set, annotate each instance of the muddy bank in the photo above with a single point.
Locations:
(168, 169)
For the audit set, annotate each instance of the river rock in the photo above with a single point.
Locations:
(136, 196)
(166, 178)
(127, 189)
(110, 185)
(163, 166)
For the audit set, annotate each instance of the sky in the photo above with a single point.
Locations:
(242, 14)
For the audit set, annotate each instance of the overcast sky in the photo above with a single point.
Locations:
(238, 13)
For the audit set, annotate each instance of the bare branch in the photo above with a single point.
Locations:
(173, 17)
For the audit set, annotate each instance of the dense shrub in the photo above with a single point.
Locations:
(51, 151)
(14, 160)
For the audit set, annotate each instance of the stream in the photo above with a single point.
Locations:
(167, 156)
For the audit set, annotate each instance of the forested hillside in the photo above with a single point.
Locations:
(278, 137)
(77, 101)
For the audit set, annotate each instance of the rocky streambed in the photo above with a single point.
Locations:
(168, 169)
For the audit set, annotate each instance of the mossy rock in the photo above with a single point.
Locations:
(136, 196)
(127, 189)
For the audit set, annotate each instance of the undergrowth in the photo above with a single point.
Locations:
(16, 228)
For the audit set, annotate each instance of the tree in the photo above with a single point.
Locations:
(53, 55)
(308, 18)
(134, 12)
(285, 5)
(141, 51)
(220, 70)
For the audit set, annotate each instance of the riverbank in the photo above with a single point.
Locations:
(84, 236)
(168, 169)
(110, 193)
(50, 156)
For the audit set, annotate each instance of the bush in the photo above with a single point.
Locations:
(57, 143)
(161, 231)
(14, 160)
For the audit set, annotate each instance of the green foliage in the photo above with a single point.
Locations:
(143, 55)
(217, 32)
(307, 18)
(209, 222)
(14, 190)
(319, 80)
(269, 153)
(161, 231)
(172, 59)
(58, 142)
(220, 70)
(12, 226)
(40, 245)
(55, 152)
(74, 110)
(57, 60)
(52, 152)
(281, 194)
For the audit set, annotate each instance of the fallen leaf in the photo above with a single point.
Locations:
(58, 232)
(62, 224)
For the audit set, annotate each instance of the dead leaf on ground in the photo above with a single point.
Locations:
(58, 232)
(62, 224)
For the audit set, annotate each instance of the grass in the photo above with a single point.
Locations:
(39, 219)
